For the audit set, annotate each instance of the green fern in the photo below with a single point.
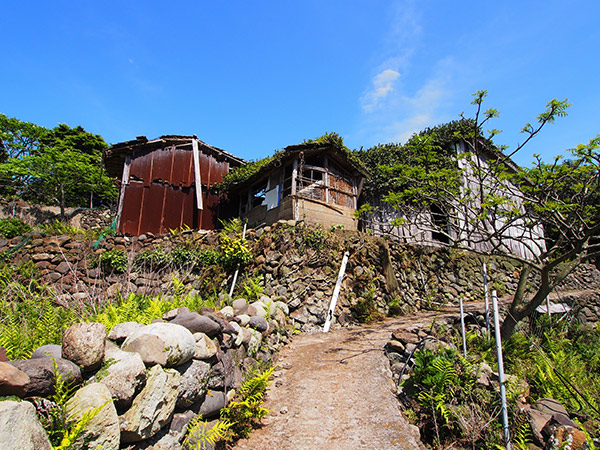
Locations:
(245, 412)
(200, 437)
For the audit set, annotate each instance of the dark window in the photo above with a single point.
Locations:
(440, 222)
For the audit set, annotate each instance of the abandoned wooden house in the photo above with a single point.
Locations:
(314, 182)
(166, 183)
(517, 233)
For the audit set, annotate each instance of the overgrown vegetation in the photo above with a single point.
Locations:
(453, 409)
(13, 227)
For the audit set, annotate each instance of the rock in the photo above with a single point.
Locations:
(283, 307)
(396, 346)
(254, 343)
(41, 374)
(102, 431)
(192, 385)
(150, 348)
(197, 323)
(179, 344)
(124, 376)
(259, 309)
(244, 319)
(537, 421)
(53, 350)
(550, 407)
(12, 380)
(3, 356)
(212, 404)
(122, 331)
(239, 305)
(227, 312)
(170, 315)
(565, 436)
(63, 268)
(153, 407)
(83, 343)
(20, 428)
(258, 323)
(205, 347)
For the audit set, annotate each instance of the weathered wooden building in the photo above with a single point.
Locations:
(166, 183)
(314, 182)
(511, 229)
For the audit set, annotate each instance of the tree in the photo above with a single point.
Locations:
(62, 166)
(489, 203)
(18, 138)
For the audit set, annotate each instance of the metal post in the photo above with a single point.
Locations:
(237, 269)
(336, 293)
(501, 370)
(462, 326)
(487, 301)
(548, 310)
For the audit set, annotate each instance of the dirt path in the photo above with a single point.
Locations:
(334, 391)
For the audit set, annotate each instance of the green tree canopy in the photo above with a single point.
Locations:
(60, 166)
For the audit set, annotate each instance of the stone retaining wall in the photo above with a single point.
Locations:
(291, 263)
(147, 382)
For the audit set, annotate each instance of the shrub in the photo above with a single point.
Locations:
(113, 260)
(13, 227)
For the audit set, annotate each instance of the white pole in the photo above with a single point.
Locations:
(548, 310)
(336, 293)
(487, 301)
(462, 326)
(237, 269)
(501, 370)
(197, 177)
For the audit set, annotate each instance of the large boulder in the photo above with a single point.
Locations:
(153, 407)
(41, 374)
(198, 323)
(20, 428)
(178, 343)
(102, 430)
(124, 375)
(151, 349)
(193, 382)
(12, 380)
(83, 343)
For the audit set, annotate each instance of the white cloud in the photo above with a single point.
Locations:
(408, 111)
(383, 85)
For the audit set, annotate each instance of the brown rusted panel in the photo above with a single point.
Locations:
(130, 216)
(174, 203)
(182, 162)
(162, 165)
(141, 167)
(218, 171)
(205, 162)
(152, 204)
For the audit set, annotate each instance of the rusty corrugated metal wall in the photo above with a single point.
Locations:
(160, 194)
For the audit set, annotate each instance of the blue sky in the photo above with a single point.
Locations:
(254, 76)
